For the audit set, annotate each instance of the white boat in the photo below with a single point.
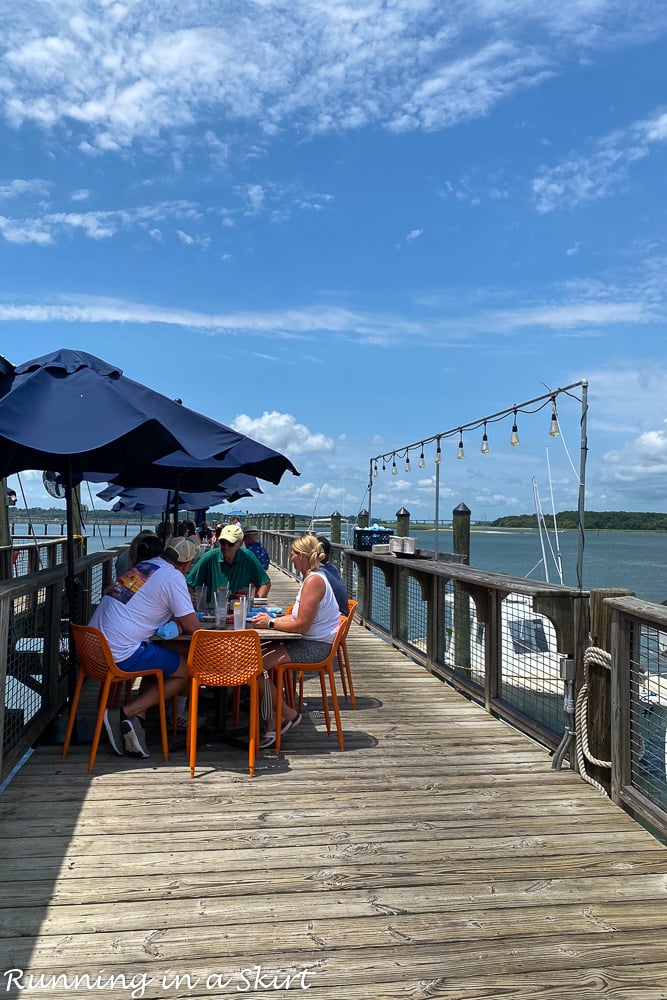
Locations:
(529, 649)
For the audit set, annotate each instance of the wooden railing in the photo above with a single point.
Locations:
(639, 708)
(30, 554)
(454, 620)
(35, 669)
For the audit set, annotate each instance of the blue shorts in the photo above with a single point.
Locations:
(152, 656)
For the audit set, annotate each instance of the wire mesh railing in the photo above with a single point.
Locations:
(34, 649)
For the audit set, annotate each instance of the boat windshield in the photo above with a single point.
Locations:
(528, 635)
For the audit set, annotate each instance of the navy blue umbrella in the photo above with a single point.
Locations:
(156, 501)
(74, 413)
(182, 471)
(71, 409)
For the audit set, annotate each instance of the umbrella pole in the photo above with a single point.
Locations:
(177, 504)
(72, 589)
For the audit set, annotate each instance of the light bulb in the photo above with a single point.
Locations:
(394, 470)
(554, 429)
(460, 454)
(438, 454)
(408, 467)
(514, 440)
(422, 460)
(485, 444)
(384, 467)
(375, 471)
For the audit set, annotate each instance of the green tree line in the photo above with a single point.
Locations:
(596, 520)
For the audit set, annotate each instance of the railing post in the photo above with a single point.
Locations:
(461, 546)
(362, 519)
(403, 522)
(335, 527)
(291, 523)
(599, 685)
(620, 705)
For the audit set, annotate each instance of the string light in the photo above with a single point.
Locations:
(485, 442)
(528, 407)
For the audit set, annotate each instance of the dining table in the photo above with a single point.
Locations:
(182, 643)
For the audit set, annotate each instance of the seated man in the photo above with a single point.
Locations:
(149, 595)
(230, 566)
(333, 576)
(253, 544)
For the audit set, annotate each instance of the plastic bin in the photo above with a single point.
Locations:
(366, 538)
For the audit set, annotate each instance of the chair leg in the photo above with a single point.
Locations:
(163, 715)
(103, 702)
(253, 732)
(192, 725)
(325, 702)
(341, 671)
(72, 713)
(280, 674)
(346, 660)
(334, 702)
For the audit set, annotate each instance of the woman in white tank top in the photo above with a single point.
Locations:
(315, 615)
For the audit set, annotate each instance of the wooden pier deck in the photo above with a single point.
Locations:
(438, 856)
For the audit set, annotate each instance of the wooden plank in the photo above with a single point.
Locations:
(438, 856)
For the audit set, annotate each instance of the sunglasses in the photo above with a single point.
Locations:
(225, 542)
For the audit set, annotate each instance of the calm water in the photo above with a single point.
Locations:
(636, 560)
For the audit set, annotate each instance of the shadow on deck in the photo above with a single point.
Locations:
(438, 856)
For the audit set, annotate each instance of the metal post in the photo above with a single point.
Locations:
(437, 507)
(4, 514)
(582, 485)
(370, 488)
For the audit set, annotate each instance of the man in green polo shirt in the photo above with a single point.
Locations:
(230, 566)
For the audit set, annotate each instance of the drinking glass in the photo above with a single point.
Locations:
(200, 598)
(239, 613)
(220, 610)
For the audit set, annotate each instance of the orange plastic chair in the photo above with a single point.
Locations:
(343, 658)
(224, 659)
(323, 668)
(96, 661)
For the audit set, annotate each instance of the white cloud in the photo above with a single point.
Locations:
(142, 71)
(414, 234)
(48, 228)
(19, 187)
(282, 432)
(597, 173)
(580, 309)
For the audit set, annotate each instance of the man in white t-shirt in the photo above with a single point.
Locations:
(143, 599)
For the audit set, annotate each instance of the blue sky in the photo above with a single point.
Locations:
(345, 227)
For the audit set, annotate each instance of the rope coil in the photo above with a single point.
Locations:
(601, 658)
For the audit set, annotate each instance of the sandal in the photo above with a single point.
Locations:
(291, 723)
(267, 740)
